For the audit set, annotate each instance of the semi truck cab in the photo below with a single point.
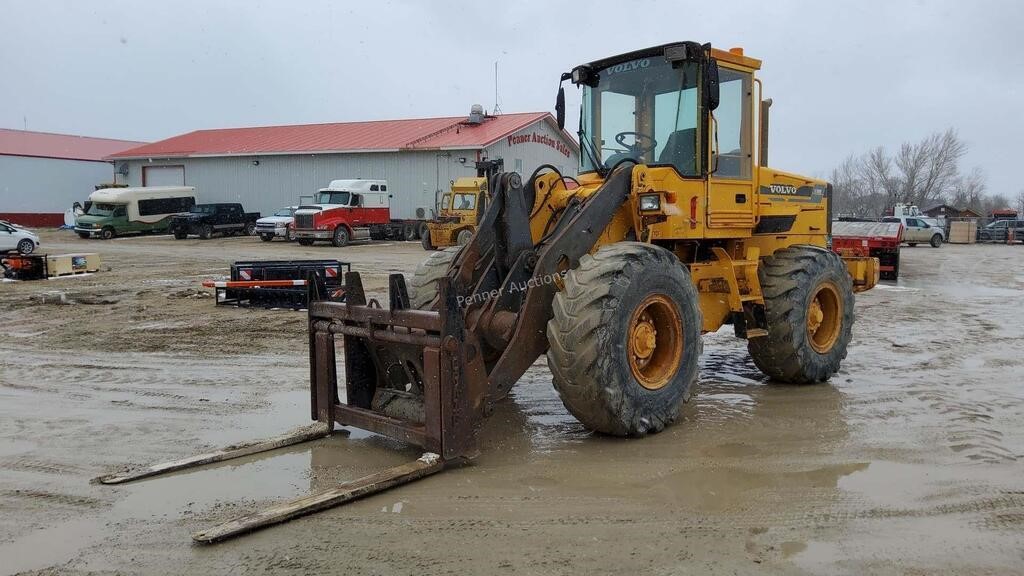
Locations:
(346, 210)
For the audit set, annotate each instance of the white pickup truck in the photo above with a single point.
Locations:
(277, 226)
(917, 231)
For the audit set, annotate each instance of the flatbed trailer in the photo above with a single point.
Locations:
(876, 239)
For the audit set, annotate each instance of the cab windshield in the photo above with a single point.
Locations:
(101, 209)
(464, 202)
(341, 198)
(644, 110)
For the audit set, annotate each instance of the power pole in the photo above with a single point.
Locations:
(497, 106)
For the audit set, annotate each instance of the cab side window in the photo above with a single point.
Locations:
(733, 121)
(120, 211)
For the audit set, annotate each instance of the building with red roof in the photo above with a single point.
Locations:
(268, 167)
(43, 174)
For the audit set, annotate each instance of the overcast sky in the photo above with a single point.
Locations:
(844, 77)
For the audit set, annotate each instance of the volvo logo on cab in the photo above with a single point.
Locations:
(630, 66)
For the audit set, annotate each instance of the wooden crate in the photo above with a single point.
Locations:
(66, 264)
(963, 232)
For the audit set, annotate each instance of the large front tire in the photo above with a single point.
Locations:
(936, 241)
(808, 299)
(625, 339)
(423, 287)
(341, 237)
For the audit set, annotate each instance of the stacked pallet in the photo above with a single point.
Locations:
(963, 232)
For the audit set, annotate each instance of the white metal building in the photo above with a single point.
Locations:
(42, 174)
(270, 167)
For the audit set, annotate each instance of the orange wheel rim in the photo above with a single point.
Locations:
(824, 318)
(655, 342)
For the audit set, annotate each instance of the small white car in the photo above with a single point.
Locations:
(279, 225)
(15, 238)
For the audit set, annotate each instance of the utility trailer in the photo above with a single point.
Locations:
(279, 283)
(875, 239)
(39, 266)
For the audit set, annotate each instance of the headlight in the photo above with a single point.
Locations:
(650, 202)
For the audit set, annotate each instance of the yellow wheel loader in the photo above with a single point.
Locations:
(677, 228)
(459, 211)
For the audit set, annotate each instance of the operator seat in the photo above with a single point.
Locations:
(681, 151)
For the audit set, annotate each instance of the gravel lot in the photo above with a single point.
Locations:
(908, 462)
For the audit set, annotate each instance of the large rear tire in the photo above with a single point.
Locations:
(808, 298)
(463, 237)
(625, 339)
(423, 286)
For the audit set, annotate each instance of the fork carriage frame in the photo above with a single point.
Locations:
(411, 348)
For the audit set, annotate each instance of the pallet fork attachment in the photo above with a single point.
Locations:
(429, 377)
(424, 344)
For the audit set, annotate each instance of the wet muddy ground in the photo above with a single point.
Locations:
(910, 461)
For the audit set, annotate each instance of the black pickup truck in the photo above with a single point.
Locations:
(205, 220)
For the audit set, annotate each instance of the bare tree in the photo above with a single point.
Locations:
(995, 202)
(920, 173)
(928, 170)
(969, 190)
(1020, 204)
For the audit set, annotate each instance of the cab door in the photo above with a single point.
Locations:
(731, 183)
(915, 231)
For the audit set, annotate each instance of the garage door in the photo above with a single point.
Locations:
(163, 175)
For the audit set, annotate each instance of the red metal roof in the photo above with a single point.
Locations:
(374, 136)
(65, 146)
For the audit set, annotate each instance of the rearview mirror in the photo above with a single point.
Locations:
(560, 108)
(711, 97)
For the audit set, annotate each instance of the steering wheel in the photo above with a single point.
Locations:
(639, 139)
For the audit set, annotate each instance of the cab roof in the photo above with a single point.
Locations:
(732, 56)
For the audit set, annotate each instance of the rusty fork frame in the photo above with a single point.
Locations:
(429, 349)
(428, 377)
(434, 342)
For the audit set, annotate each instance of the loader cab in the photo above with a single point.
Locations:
(684, 108)
(467, 199)
(674, 105)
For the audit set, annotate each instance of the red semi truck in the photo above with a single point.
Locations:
(350, 210)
